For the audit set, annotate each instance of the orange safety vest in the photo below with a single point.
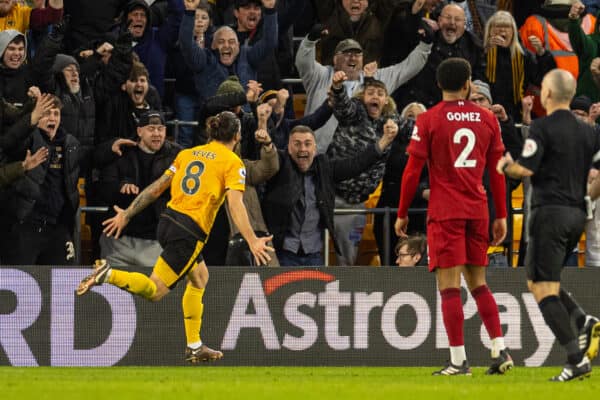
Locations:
(555, 41)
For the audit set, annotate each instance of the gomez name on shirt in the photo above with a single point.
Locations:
(471, 116)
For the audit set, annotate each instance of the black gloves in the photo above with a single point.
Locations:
(124, 40)
(316, 31)
(59, 29)
(426, 32)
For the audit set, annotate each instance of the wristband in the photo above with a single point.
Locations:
(267, 143)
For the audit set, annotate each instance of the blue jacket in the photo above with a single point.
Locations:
(208, 71)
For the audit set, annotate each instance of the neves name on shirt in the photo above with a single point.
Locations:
(204, 154)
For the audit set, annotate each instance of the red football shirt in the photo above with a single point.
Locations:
(458, 139)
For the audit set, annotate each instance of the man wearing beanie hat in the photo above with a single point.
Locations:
(232, 88)
(580, 106)
(483, 89)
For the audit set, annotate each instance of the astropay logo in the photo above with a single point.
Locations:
(288, 316)
(330, 305)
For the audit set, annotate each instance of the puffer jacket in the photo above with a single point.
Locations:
(25, 192)
(355, 132)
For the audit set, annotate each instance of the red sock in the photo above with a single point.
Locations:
(488, 310)
(452, 311)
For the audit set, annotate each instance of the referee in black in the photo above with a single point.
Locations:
(558, 156)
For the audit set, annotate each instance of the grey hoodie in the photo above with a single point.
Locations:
(8, 36)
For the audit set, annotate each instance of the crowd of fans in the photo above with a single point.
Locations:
(87, 88)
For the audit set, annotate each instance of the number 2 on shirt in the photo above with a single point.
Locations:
(463, 161)
(190, 184)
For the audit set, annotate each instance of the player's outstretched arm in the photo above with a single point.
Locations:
(258, 246)
(115, 225)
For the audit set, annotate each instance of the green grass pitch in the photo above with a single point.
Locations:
(284, 383)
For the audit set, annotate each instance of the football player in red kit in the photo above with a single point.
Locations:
(458, 140)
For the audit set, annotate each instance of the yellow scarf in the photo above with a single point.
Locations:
(518, 72)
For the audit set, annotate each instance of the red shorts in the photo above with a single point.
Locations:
(457, 242)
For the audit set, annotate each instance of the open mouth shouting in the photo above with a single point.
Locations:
(137, 30)
(374, 108)
(227, 57)
(138, 94)
(13, 61)
(252, 21)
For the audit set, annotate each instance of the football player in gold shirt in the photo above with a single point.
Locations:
(200, 178)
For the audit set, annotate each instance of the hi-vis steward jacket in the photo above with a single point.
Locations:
(555, 41)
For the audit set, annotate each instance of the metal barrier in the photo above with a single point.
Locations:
(77, 233)
(386, 211)
(176, 123)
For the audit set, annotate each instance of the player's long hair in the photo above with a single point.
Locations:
(223, 127)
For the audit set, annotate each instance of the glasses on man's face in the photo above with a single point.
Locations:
(450, 18)
(478, 99)
(350, 54)
(404, 255)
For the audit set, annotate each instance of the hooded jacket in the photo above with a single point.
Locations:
(13, 82)
(155, 42)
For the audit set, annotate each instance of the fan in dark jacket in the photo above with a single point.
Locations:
(17, 75)
(152, 43)
(43, 203)
(299, 200)
(124, 179)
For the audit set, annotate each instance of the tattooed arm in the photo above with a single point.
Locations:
(115, 225)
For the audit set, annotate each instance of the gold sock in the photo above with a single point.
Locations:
(133, 282)
(192, 306)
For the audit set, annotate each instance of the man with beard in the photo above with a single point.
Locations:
(43, 203)
(21, 17)
(451, 40)
(124, 179)
(152, 43)
(348, 57)
(103, 72)
(212, 66)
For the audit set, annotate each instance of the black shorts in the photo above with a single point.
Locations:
(182, 241)
(554, 231)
